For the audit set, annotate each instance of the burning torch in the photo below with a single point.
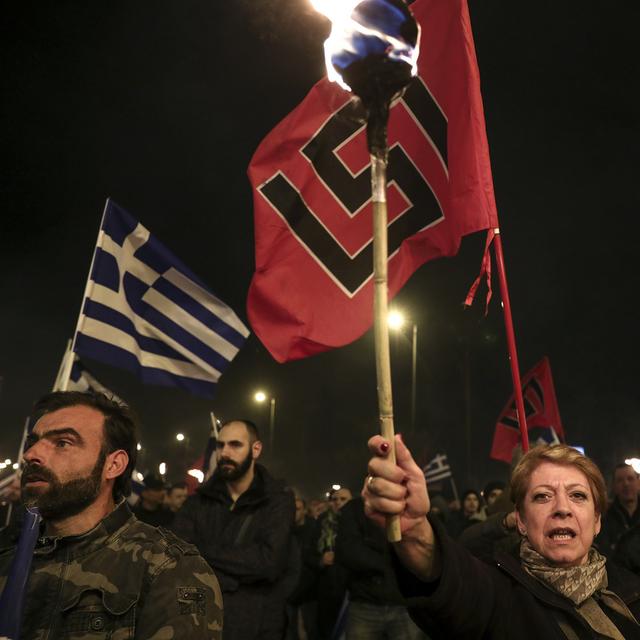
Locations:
(372, 51)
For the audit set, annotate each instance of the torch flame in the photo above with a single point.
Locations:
(360, 28)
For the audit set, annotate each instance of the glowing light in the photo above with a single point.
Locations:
(635, 463)
(162, 468)
(395, 319)
(336, 487)
(260, 396)
(197, 474)
(3, 465)
(139, 476)
(360, 28)
(139, 447)
(7, 461)
(179, 437)
(15, 465)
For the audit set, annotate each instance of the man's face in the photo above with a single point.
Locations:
(626, 484)
(236, 453)
(153, 498)
(471, 504)
(316, 507)
(300, 512)
(339, 499)
(64, 462)
(494, 494)
(176, 498)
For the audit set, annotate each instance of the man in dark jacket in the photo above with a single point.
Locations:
(623, 514)
(150, 508)
(241, 520)
(377, 609)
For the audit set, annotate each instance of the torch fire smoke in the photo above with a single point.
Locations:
(372, 51)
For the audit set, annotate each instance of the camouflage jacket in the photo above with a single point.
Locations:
(122, 580)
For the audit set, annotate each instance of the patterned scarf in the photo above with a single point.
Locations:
(583, 585)
(575, 583)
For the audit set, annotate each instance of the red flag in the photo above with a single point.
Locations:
(312, 289)
(541, 408)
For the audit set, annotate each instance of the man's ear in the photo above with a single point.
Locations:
(115, 464)
(256, 449)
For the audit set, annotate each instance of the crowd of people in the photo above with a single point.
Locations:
(245, 557)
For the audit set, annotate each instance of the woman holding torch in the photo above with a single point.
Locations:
(555, 585)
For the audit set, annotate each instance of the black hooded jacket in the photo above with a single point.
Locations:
(247, 545)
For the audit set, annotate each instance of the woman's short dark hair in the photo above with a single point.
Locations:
(120, 426)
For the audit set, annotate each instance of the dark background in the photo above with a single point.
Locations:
(161, 104)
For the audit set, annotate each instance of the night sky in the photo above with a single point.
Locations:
(161, 104)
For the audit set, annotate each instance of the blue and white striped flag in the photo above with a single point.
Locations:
(144, 310)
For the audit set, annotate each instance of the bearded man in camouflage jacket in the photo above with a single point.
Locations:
(98, 572)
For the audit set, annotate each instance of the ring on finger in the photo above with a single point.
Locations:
(370, 480)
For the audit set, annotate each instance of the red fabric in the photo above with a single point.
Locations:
(485, 270)
(541, 407)
(297, 305)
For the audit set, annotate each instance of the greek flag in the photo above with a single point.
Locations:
(145, 311)
(437, 469)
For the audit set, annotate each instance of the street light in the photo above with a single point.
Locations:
(179, 437)
(162, 468)
(261, 396)
(396, 321)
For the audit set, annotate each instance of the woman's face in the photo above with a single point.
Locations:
(471, 504)
(558, 514)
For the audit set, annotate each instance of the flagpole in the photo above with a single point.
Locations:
(62, 367)
(511, 341)
(64, 383)
(455, 490)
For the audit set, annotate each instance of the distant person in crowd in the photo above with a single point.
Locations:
(332, 577)
(302, 605)
(440, 507)
(497, 533)
(377, 609)
(241, 520)
(490, 494)
(11, 512)
(468, 514)
(557, 585)
(623, 513)
(97, 571)
(317, 508)
(176, 495)
(151, 506)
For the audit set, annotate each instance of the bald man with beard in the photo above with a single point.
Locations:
(241, 521)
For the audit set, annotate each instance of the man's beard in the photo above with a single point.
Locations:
(236, 470)
(62, 499)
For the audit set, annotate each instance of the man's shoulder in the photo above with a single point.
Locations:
(137, 550)
(157, 541)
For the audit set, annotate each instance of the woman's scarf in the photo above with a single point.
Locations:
(583, 585)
